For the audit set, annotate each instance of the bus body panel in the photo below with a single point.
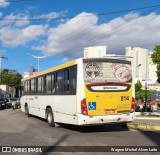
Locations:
(110, 107)
(80, 85)
(107, 103)
(102, 120)
(63, 107)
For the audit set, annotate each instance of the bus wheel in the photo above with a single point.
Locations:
(50, 118)
(124, 125)
(27, 111)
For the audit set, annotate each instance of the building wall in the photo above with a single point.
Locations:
(152, 69)
(7, 91)
(139, 62)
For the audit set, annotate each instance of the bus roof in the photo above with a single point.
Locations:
(68, 64)
(73, 62)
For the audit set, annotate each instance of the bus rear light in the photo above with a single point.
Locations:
(84, 110)
(132, 106)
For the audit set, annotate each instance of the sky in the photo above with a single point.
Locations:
(60, 30)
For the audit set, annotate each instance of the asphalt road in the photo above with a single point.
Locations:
(17, 129)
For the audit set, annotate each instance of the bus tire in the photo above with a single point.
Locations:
(124, 125)
(27, 111)
(50, 118)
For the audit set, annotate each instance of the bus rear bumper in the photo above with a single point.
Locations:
(101, 120)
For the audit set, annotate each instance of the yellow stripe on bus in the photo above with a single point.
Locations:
(68, 64)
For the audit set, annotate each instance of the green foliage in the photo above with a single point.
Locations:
(156, 59)
(138, 86)
(140, 93)
(10, 79)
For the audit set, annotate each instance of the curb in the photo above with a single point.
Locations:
(148, 118)
(143, 126)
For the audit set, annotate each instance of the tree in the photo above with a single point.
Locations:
(138, 86)
(10, 79)
(140, 93)
(156, 59)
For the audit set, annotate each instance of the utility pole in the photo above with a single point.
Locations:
(1, 58)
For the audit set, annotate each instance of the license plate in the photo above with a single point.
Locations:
(110, 111)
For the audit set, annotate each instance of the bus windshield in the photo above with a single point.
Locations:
(107, 70)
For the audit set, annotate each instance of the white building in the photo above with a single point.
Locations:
(7, 91)
(143, 67)
(152, 68)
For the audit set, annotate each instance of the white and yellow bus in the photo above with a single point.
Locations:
(86, 91)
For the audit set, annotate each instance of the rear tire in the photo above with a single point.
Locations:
(27, 111)
(50, 118)
(124, 125)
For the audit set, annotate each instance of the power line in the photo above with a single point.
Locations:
(69, 17)
(12, 1)
(98, 36)
(69, 52)
(103, 34)
(66, 53)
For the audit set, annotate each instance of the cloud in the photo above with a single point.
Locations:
(71, 37)
(13, 37)
(51, 15)
(3, 3)
(1, 14)
(66, 36)
(23, 19)
(17, 20)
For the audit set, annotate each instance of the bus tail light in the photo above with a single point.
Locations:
(132, 106)
(84, 110)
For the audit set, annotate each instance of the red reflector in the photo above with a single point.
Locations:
(84, 109)
(132, 105)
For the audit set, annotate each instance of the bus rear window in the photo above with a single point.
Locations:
(107, 71)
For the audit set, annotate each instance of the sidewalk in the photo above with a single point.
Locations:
(146, 121)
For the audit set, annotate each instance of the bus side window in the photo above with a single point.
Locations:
(26, 87)
(29, 86)
(39, 85)
(53, 84)
(32, 86)
(44, 83)
(36, 85)
(73, 79)
(60, 82)
(66, 81)
(48, 84)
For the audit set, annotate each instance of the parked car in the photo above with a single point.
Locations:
(8, 105)
(2, 103)
(148, 108)
(15, 103)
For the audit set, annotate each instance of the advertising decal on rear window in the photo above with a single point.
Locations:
(107, 72)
